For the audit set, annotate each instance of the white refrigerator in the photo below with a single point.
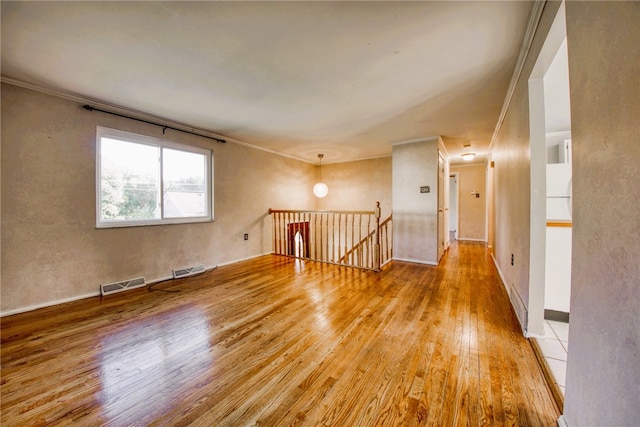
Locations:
(559, 192)
(558, 248)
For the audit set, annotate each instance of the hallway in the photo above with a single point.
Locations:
(276, 341)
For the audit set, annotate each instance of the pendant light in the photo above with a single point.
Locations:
(320, 189)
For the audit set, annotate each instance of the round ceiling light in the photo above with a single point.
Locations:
(320, 190)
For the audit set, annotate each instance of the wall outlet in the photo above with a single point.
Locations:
(425, 189)
(246, 236)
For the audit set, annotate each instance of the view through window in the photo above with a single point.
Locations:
(144, 181)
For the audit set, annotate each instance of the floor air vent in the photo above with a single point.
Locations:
(112, 288)
(189, 271)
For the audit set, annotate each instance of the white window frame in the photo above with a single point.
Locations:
(103, 132)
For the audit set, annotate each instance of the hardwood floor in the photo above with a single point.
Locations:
(274, 341)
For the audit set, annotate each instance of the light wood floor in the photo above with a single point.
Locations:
(274, 341)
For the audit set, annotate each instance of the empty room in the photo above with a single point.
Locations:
(320, 213)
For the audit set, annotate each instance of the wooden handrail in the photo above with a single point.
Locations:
(364, 240)
(334, 237)
(272, 211)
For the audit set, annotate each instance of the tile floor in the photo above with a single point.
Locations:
(554, 348)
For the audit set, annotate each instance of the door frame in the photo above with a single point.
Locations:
(538, 173)
(456, 196)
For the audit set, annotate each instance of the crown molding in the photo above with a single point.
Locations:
(525, 47)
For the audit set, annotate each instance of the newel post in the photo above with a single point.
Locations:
(376, 246)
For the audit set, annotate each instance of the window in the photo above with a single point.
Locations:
(142, 180)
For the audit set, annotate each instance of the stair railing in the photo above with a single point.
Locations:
(350, 238)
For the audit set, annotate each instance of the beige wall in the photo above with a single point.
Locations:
(472, 210)
(603, 377)
(512, 183)
(358, 185)
(602, 372)
(51, 250)
(415, 214)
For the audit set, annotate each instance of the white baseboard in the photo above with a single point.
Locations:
(528, 334)
(415, 261)
(97, 293)
(510, 293)
(49, 304)
(464, 239)
(502, 279)
(241, 259)
(386, 262)
(562, 421)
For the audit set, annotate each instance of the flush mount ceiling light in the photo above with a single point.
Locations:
(468, 156)
(320, 189)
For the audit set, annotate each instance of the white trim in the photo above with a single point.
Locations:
(455, 175)
(359, 159)
(537, 162)
(472, 240)
(110, 107)
(528, 334)
(502, 279)
(160, 144)
(562, 421)
(488, 195)
(509, 288)
(269, 150)
(443, 149)
(415, 261)
(562, 133)
(532, 26)
(97, 293)
(412, 141)
(242, 259)
(159, 120)
(49, 304)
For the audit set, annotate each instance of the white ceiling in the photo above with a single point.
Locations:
(341, 78)
(557, 108)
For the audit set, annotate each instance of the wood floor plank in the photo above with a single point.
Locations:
(275, 341)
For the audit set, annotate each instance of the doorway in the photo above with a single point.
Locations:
(550, 157)
(453, 205)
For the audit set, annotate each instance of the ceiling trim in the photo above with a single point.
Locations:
(160, 121)
(437, 138)
(138, 115)
(527, 41)
(412, 141)
(112, 108)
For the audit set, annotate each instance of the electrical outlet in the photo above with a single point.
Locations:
(425, 189)
(246, 236)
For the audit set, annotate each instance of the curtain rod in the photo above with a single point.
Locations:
(164, 127)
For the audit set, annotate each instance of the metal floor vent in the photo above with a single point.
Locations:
(112, 288)
(189, 271)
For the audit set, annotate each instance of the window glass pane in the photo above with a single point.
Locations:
(129, 182)
(184, 180)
